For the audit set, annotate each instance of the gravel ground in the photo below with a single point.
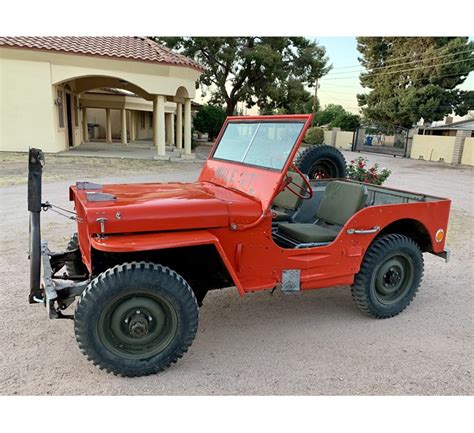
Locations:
(315, 343)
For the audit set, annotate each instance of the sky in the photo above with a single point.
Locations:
(341, 84)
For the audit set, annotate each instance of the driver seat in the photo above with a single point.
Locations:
(340, 201)
(286, 202)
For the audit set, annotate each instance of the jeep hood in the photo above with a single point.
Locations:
(150, 207)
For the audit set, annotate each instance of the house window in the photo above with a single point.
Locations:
(59, 104)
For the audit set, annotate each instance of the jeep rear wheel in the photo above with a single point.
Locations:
(322, 162)
(136, 319)
(389, 276)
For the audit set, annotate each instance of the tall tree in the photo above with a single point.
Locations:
(252, 69)
(289, 97)
(413, 78)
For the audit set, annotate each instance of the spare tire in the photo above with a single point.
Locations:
(322, 162)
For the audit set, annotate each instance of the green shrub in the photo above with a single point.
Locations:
(209, 120)
(314, 135)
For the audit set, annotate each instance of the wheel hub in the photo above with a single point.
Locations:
(138, 326)
(393, 278)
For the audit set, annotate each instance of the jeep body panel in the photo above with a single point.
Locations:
(256, 262)
(259, 262)
(164, 241)
(229, 207)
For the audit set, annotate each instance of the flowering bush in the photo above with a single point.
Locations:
(359, 170)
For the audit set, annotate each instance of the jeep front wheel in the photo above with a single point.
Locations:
(389, 276)
(136, 319)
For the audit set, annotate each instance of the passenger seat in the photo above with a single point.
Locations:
(340, 201)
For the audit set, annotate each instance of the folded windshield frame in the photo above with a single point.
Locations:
(263, 143)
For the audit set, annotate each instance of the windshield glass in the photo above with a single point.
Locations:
(262, 144)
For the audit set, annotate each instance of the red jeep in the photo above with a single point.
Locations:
(145, 255)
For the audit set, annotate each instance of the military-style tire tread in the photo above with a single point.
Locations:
(306, 159)
(119, 280)
(363, 290)
(76, 267)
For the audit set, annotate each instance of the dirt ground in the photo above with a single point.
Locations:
(314, 343)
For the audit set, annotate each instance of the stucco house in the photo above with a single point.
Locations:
(449, 128)
(58, 92)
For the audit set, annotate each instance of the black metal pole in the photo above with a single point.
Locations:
(35, 170)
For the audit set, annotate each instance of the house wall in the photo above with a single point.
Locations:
(327, 137)
(143, 119)
(97, 115)
(468, 152)
(429, 147)
(433, 148)
(28, 115)
(29, 81)
(144, 125)
(344, 139)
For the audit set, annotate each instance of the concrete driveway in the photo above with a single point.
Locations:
(312, 343)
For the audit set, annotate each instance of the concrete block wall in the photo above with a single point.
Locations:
(459, 145)
(468, 152)
(432, 148)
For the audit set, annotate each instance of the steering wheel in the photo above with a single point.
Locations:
(308, 191)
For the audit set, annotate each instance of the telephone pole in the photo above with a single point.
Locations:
(315, 99)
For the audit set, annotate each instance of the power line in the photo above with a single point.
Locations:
(407, 63)
(398, 72)
(340, 100)
(364, 89)
(435, 50)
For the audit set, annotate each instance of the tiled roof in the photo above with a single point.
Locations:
(121, 47)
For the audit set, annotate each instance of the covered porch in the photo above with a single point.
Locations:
(111, 115)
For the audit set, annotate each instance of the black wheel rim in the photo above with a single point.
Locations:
(138, 325)
(323, 169)
(393, 278)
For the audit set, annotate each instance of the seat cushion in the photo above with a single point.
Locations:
(286, 199)
(278, 215)
(340, 201)
(307, 233)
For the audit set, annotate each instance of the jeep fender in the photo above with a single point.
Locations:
(165, 240)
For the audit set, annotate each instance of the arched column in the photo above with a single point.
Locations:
(124, 126)
(133, 125)
(159, 124)
(187, 126)
(179, 125)
(108, 126)
(169, 129)
(172, 137)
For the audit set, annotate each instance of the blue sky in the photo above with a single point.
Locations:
(340, 86)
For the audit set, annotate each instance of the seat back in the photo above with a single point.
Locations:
(340, 201)
(286, 199)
